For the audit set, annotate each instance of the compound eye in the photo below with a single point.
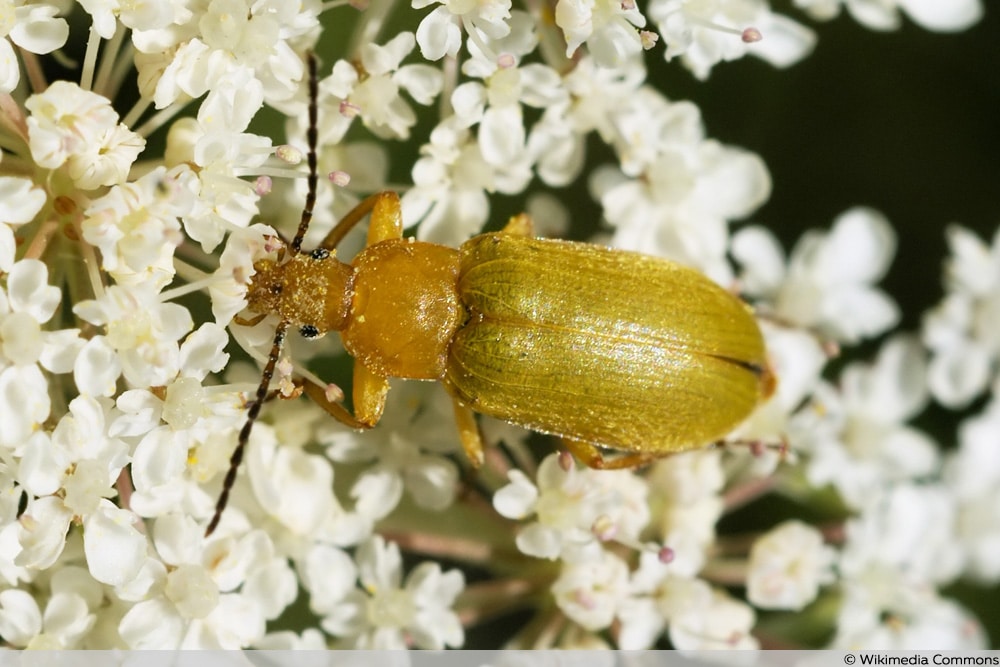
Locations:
(308, 331)
(320, 253)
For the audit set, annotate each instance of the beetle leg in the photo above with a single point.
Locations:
(468, 431)
(369, 399)
(369, 394)
(591, 456)
(250, 322)
(386, 222)
(519, 225)
(335, 410)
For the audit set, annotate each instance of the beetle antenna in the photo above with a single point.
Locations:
(312, 138)
(252, 412)
(279, 333)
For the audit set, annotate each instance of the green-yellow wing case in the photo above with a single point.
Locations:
(609, 347)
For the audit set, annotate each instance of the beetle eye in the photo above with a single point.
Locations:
(320, 253)
(308, 331)
(275, 289)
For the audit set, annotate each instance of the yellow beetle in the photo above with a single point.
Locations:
(601, 347)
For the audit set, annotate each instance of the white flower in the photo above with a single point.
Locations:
(949, 16)
(64, 622)
(450, 183)
(214, 197)
(495, 104)
(723, 623)
(902, 544)
(144, 331)
(387, 612)
(962, 331)
(703, 34)
(872, 445)
(30, 26)
(609, 28)
(678, 191)
(195, 604)
(218, 37)
(589, 592)
(142, 15)
(556, 142)
(827, 284)
(686, 494)
(28, 303)
(79, 129)
(399, 460)
(439, 35)
(924, 621)
(569, 503)
(787, 567)
(136, 227)
(973, 474)
(295, 489)
(20, 202)
(372, 89)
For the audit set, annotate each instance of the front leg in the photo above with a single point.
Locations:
(386, 220)
(369, 399)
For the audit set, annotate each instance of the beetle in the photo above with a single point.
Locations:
(603, 348)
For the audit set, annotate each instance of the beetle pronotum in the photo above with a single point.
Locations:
(601, 347)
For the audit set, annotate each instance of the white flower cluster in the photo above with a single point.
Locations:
(120, 406)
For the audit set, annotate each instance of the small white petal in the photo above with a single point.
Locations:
(860, 247)
(20, 200)
(785, 41)
(42, 533)
(787, 567)
(20, 338)
(958, 375)
(438, 35)
(192, 589)
(29, 291)
(68, 618)
(20, 618)
(762, 258)
(517, 499)
(432, 482)
(539, 541)
(501, 135)
(41, 31)
(61, 350)
(202, 351)
(377, 491)
(10, 71)
(380, 564)
(115, 550)
(422, 82)
(329, 575)
(272, 588)
(97, 368)
(152, 625)
(951, 16)
(24, 403)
